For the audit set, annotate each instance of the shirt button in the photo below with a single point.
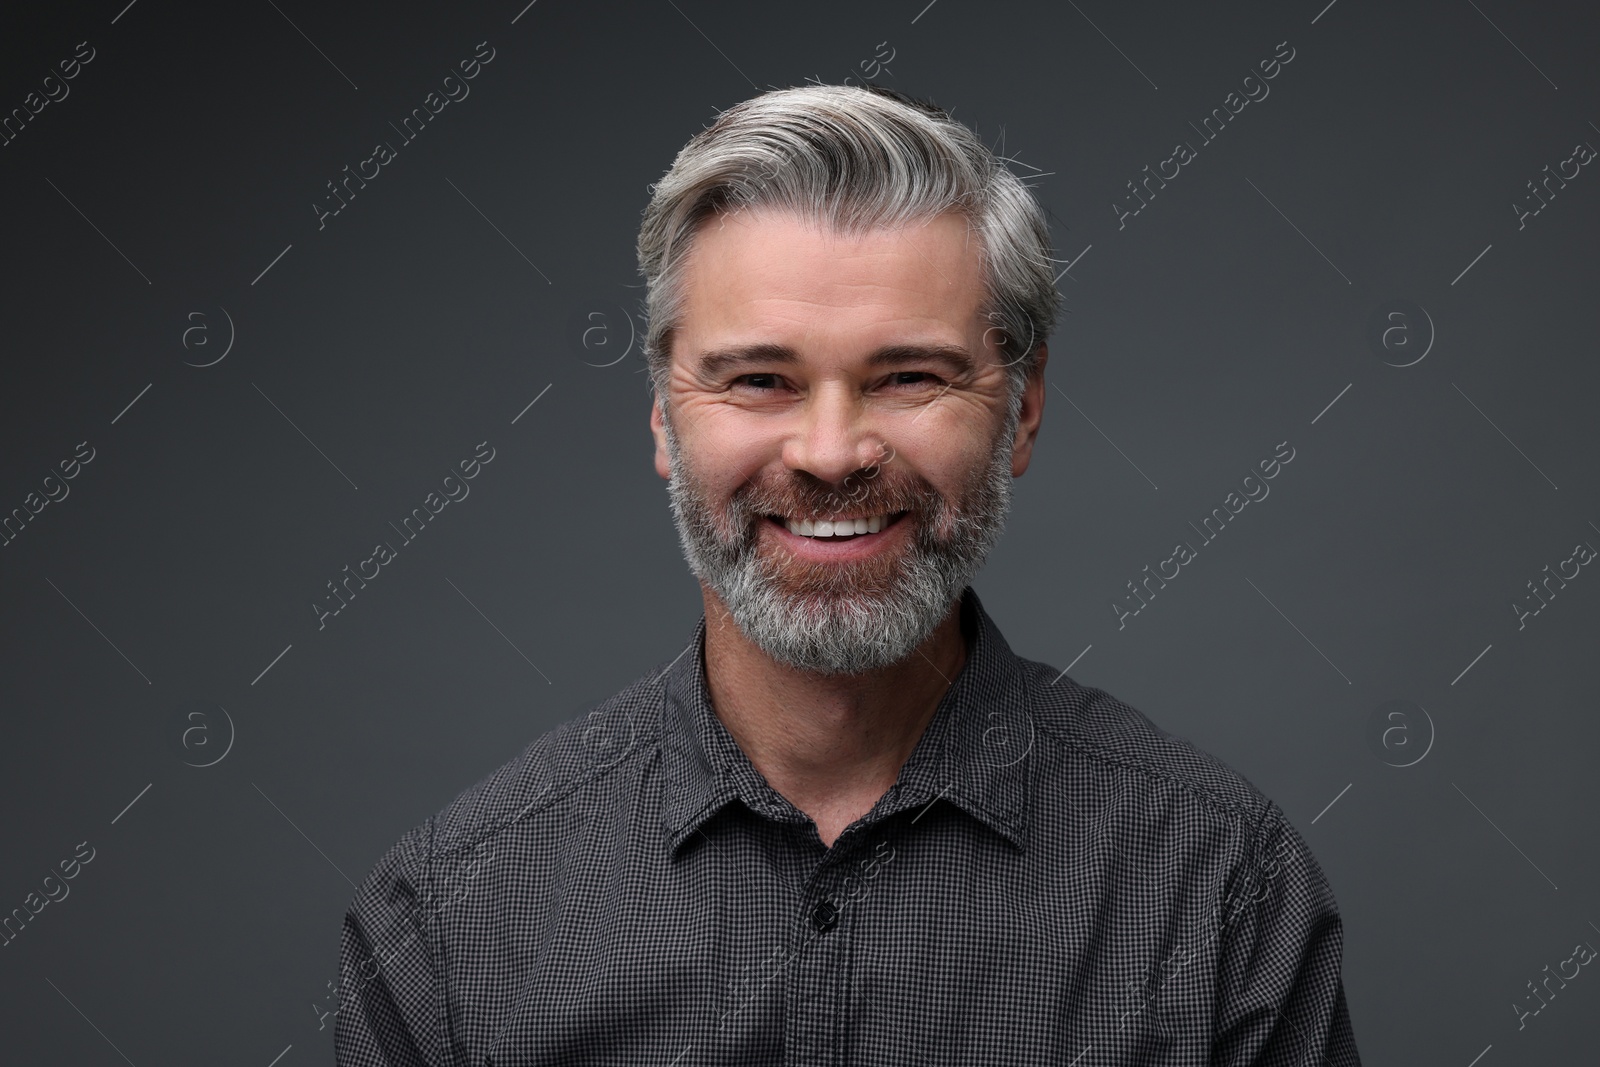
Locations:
(824, 916)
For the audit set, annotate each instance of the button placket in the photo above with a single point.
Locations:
(814, 996)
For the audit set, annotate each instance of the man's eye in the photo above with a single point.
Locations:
(900, 379)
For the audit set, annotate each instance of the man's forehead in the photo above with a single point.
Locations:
(751, 266)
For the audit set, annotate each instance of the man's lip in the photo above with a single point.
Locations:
(828, 551)
(894, 517)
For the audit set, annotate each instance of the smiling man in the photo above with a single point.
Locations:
(847, 825)
(832, 623)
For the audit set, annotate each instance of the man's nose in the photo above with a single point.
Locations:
(834, 436)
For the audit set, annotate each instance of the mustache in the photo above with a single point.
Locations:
(820, 501)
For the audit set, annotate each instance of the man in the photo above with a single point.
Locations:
(847, 825)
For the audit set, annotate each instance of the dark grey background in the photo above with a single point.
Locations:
(172, 588)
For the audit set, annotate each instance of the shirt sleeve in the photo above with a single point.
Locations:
(1280, 994)
(389, 984)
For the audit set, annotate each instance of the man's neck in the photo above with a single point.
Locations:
(831, 744)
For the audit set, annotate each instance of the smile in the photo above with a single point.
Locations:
(837, 529)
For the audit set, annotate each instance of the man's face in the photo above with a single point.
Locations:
(818, 377)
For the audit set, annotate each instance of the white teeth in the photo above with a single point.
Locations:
(837, 527)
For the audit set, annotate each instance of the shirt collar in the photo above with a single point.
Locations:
(975, 752)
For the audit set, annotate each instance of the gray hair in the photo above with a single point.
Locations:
(853, 158)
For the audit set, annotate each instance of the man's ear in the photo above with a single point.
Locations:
(1029, 417)
(658, 431)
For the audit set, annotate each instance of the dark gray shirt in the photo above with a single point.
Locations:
(1051, 879)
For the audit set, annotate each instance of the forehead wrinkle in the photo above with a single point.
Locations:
(807, 294)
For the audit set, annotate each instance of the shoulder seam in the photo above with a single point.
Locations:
(475, 836)
(1107, 756)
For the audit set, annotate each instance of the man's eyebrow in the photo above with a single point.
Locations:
(715, 362)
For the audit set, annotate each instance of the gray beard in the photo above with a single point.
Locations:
(843, 618)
